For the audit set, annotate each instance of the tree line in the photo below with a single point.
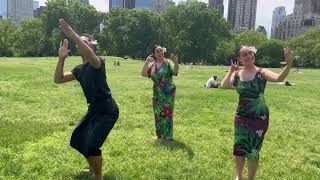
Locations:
(195, 33)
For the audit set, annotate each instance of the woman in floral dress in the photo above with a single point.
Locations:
(252, 115)
(161, 70)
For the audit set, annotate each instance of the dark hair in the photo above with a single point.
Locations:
(237, 52)
(88, 36)
(215, 77)
(154, 48)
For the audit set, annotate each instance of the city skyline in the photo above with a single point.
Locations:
(264, 9)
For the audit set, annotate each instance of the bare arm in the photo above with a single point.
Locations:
(145, 69)
(274, 77)
(228, 80)
(176, 64)
(60, 76)
(87, 52)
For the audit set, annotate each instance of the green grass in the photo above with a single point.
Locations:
(37, 118)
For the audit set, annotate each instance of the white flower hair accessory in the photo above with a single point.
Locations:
(252, 48)
(164, 49)
(94, 42)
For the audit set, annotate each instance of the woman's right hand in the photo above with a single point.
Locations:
(150, 58)
(234, 66)
(63, 50)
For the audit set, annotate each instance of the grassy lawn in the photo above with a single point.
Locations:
(38, 116)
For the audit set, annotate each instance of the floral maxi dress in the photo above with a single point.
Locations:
(252, 117)
(164, 92)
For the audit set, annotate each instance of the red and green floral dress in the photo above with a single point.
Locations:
(252, 117)
(164, 92)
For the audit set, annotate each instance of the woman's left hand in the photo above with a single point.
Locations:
(288, 56)
(65, 27)
(174, 58)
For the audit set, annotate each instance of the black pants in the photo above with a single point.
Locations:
(94, 127)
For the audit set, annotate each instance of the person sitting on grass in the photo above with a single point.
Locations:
(211, 83)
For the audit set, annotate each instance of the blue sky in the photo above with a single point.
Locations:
(264, 9)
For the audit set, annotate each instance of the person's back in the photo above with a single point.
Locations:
(211, 82)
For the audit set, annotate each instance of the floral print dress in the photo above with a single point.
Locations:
(164, 92)
(252, 117)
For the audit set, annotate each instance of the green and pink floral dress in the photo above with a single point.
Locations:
(252, 117)
(164, 92)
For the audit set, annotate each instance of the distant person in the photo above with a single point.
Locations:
(252, 115)
(211, 83)
(161, 70)
(118, 63)
(102, 114)
(287, 83)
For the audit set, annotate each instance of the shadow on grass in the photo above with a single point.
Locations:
(87, 176)
(175, 145)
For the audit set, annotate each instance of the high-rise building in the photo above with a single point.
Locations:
(262, 29)
(306, 14)
(116, 4)
(130, 4)
(160, 5)
(35, 5)
(246, 11)
(85, 1)
(37, 13)
(154, 5)
(279, 13)
(144, 4)
(20, 9)
(3, 8)
(217, 5)
(232, 8)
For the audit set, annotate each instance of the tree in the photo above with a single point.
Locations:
(193, 31)
(306, 48)
(250, 38)
(29, 38)
(130, 32)
(7, 28)
(83, 18)
(270, 53)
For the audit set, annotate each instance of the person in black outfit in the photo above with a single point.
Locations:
(103, 112)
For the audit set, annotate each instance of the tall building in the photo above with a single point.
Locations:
(160, 5)
(279, 13)
(217, 5)
(154, 5)
(147, 4)
(85, 1)
(20, 9)
(246, 11)
(130, 4)
(116, 4)
(37, 13)
(232, 6)
(3, 9)
(306, 14)
(262, 29)
(35, 5)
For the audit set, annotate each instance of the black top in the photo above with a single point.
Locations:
(93, 82)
